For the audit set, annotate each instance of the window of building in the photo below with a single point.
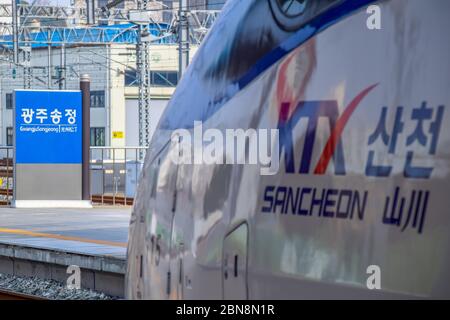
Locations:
(131, 78)
(98, 137)
(9, 136)
(214, 4)
(98, 99)
(164, 78)
(9, 102)
(157, 78)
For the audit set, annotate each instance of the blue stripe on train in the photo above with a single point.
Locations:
(316, 25)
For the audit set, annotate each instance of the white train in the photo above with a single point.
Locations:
(359, 93)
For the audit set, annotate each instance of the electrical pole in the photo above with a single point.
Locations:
(90, 12)
(62, 68)
(143, 75)
(27, 76)
(49, 61)
(15, 23)
(85, 83)
(183, 37)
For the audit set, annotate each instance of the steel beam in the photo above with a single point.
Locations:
(85, 82)
(143, 73)
(183, 37)
(15, 32)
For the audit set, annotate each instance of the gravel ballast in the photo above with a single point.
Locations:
(49, 289)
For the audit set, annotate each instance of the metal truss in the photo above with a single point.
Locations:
(76, 14)
(200, 21)
(32, 11)
(37, 35)
(143, 75)
(183, 37)
(27, 70)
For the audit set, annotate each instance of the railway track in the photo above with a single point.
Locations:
(12, 295)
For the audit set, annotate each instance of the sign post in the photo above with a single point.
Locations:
(48, 149)
(85, 83)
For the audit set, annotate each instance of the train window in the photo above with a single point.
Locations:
(292, 14)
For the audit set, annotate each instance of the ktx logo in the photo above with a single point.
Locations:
(313, 110)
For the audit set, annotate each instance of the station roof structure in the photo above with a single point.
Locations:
(99, 35)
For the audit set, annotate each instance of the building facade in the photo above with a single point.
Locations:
(112, 68)
(114, 87)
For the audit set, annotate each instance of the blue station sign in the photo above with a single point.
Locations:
(48, 126)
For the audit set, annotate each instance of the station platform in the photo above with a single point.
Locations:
(44, 242)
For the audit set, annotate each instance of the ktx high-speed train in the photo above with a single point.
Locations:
(359, 206)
